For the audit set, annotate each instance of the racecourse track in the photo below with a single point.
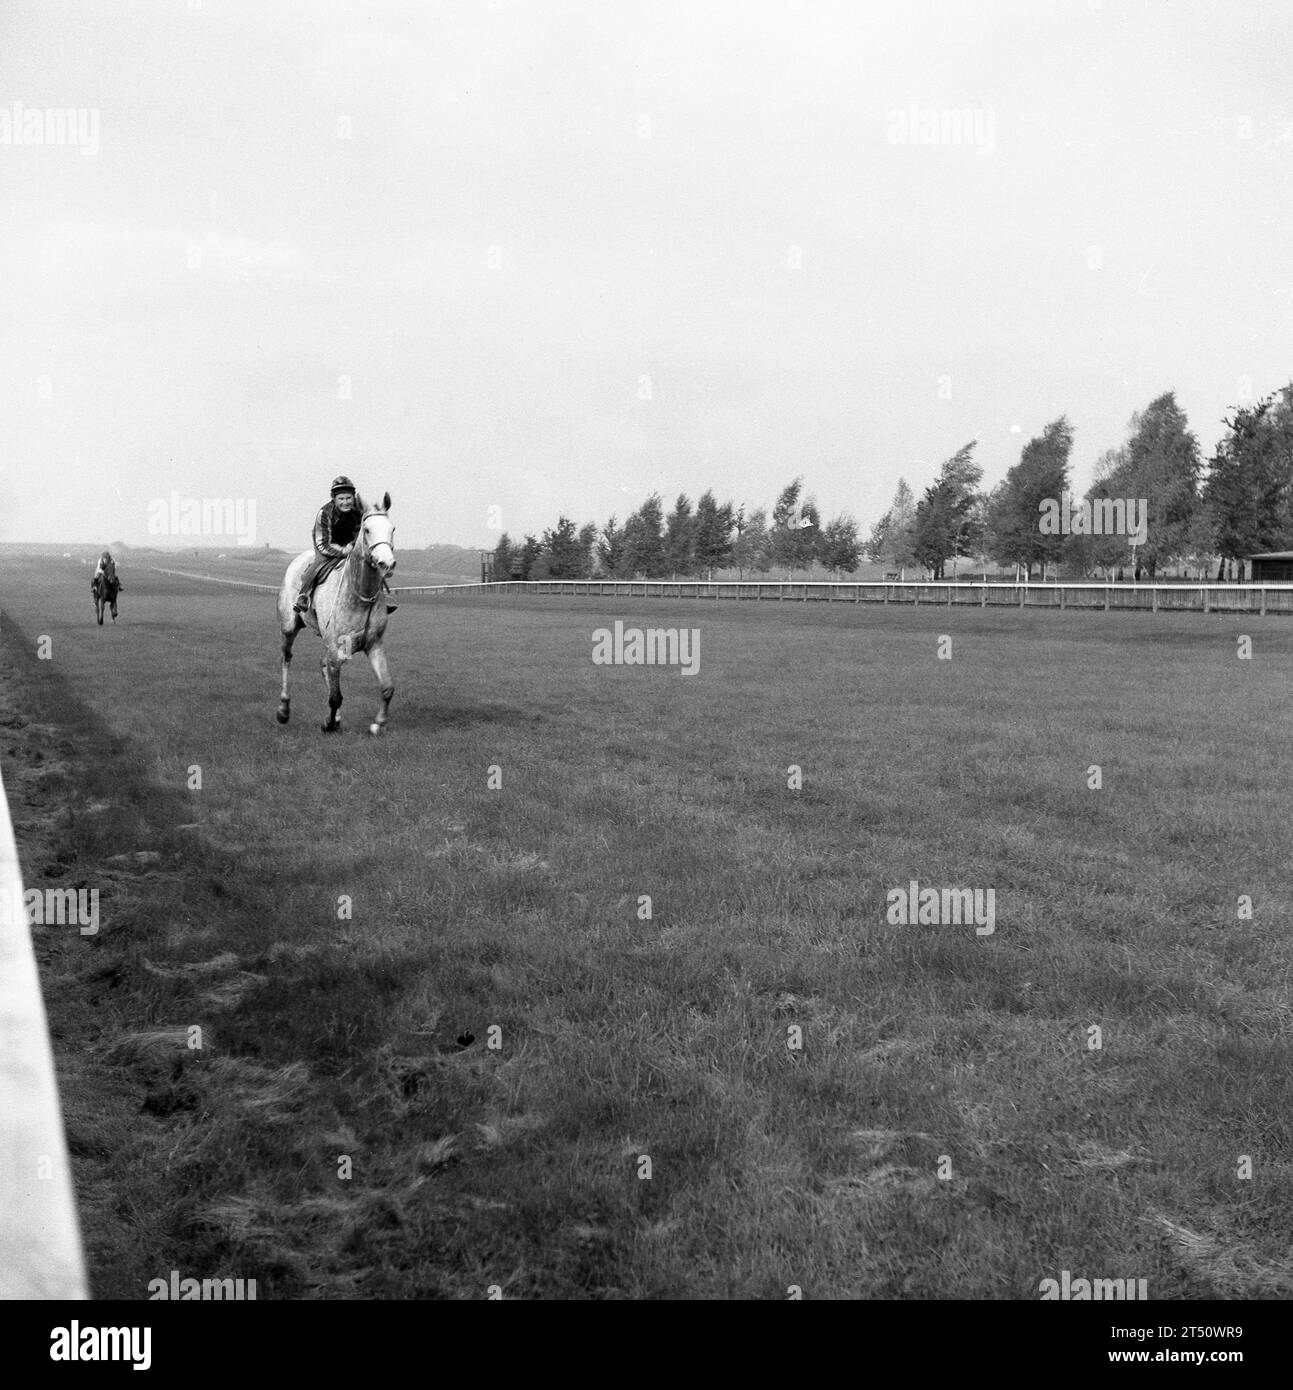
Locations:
(586, 980)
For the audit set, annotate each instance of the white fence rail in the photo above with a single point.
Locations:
(1258, 599)
(40, 1244)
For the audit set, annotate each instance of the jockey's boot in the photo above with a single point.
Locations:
(302, 604)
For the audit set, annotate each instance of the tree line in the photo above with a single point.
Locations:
(690, 541)
(1237, 503)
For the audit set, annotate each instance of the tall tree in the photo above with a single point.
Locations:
(713, 534)
(1086, 551)
(752, 548)
(1248, 494)
(933, 534)
(890, 543)
(680, 537)
(530, 553)
(610, 550)
(562, 550)
(783, 542)
(1005, 528)
(796, 528)
(947, 521)
(587, 550)
(1016, 510)
(840, 547)
(644, 540)
(808, 545)
(1163, 468)
(504, 558)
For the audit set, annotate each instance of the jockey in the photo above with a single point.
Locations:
(336, 528)
(108, 568)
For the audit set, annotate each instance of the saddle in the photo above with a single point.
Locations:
(325, 569)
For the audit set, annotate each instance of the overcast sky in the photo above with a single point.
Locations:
(547, 257)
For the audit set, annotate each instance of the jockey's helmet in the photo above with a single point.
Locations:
(342, 484)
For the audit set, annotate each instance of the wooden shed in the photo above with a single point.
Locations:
(1275, 567)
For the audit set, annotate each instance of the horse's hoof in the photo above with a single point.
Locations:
(376, 729)
(331, 728)
(282, 716)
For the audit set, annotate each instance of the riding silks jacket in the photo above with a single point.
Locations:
(335, 529)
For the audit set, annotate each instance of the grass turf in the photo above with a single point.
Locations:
(443, 1046)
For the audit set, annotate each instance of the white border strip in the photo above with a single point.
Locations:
(40, 1243)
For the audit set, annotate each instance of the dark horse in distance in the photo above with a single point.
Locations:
(105, 586)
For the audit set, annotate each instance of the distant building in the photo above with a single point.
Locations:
(1275, 567)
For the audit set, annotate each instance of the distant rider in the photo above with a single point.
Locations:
(107, 567)
(335, 530)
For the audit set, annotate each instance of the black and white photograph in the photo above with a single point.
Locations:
(645, 655)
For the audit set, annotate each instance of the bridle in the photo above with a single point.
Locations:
(368, 563)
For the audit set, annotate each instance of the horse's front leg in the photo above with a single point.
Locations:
(284, 696)
(377, 659)
(332, 679)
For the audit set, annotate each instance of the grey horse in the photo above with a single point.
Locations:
(347, 610)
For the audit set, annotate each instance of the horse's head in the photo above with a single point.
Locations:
(377, 533)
